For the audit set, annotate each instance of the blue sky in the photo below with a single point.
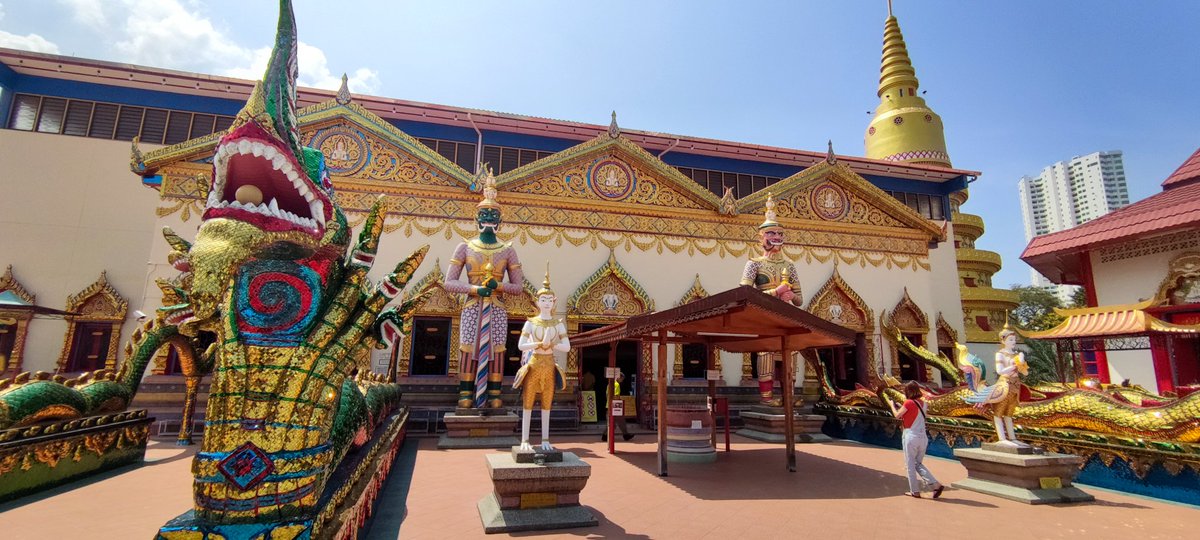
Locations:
(1020, 84)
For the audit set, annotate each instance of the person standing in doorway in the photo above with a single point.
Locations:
(620, 420)
(916, 441)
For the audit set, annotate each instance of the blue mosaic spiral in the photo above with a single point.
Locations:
(276, 301)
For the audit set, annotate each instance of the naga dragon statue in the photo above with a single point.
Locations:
(1120, 411)
(270, 303)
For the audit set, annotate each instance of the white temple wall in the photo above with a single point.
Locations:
(69, 209)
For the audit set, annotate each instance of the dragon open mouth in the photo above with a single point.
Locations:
(258, 182)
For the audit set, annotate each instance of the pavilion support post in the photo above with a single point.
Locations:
(789, 426)
(710, 365)
(612, 363)
(662, 402)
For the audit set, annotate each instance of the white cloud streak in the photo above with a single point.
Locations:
(29, 42)
(166, 33)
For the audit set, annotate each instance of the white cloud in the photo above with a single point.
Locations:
(89, 13)
(314, 71)
(31, 42)
(166, 33)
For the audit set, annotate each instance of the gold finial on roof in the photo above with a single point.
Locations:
(343, 93)
(614, 130)
(830, 157)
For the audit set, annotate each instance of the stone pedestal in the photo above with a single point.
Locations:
(534, 491)
(767, 424)
(479, 428)
(1021, 474)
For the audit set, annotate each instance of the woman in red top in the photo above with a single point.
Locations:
(912, 416)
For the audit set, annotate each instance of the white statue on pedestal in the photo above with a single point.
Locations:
(540, 338)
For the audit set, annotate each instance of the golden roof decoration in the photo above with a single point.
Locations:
(310, 118)
(102, 288)
(10, 283)
(343, 93)
(611, 268)
(1110, 321)
(624, 149)
(841, 175)
(696, 292)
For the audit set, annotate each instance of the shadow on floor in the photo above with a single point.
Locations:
(816, 477)
(386, 521)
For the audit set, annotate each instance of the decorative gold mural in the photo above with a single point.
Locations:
(99, 302)
(837, 302)
(908, 317)
(606, 192)
(947, 336)
(1182, 284)
(351, 150)
(609, 295)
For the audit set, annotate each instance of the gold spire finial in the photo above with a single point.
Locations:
(614, 130)
(546, 290)
(903, 128)
(489, 190)
(769, 216)
(343, 93)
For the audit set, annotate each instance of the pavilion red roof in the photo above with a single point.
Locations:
(1190, 170)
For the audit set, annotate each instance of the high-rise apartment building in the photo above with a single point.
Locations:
(1070, 193)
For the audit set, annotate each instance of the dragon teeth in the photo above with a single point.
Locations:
(274, 206)
(318, 211)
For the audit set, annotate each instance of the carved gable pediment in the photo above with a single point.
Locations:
(99, 301)
(695, 293)
(439, 303)
(356, 142)
(523, 306)
(907, 317)
(947, 336)
(830, 194)
(9, 284)
(607, 170)
(838, 303)
(359, 144)
(609, 294)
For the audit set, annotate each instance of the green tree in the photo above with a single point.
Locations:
(1079, 298)
(1035, 311)
(1036, 308)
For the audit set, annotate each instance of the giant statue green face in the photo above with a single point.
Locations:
(488, 218)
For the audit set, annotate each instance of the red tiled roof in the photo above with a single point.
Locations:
(1173, 208)
(1177, 206)
(1190, 170)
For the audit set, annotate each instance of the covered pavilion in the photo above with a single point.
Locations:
(742, 319)
(1114, 328)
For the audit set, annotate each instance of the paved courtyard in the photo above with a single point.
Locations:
(840, 490)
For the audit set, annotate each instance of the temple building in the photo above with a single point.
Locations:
(1140, 268)
(630, 221)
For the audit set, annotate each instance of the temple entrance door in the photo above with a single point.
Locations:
(594, 359)
(912, 369)
(1186, 353)
(89, 348)
(841, 364)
